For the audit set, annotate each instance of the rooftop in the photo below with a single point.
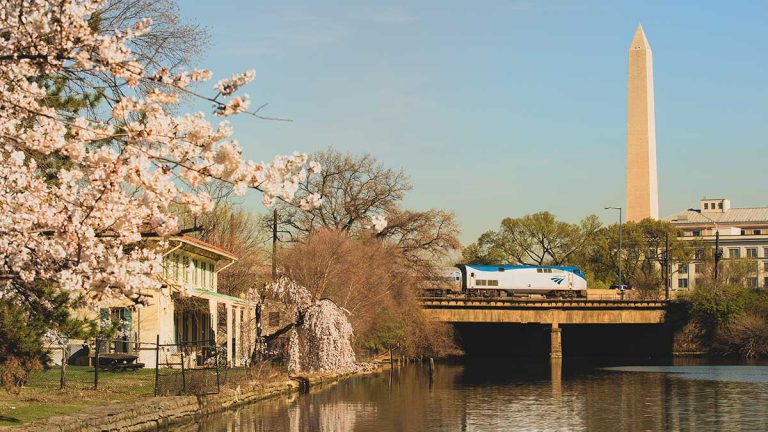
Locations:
(205, 245)
(733, 215)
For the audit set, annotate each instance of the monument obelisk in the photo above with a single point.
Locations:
(642, 183)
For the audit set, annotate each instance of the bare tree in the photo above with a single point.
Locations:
(365, 276)
(357, 274)
(354, 189)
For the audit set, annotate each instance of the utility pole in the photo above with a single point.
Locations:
(666, 264)
(620, 224)
(718, 254)
(274, 244)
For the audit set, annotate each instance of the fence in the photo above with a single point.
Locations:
(125, 365)
(189, 368)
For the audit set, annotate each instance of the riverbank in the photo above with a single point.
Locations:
(153, 413)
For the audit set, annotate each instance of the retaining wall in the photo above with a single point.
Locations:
(154, 413)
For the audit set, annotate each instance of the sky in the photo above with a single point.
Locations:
(502, 108)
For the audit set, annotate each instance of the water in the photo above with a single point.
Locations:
(491, 395)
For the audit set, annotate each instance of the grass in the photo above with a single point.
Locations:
(41, 397)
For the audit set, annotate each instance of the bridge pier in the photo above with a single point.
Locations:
(556, 341)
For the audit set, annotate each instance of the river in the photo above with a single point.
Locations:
(510, 394)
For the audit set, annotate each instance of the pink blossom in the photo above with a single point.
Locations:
(124, 174)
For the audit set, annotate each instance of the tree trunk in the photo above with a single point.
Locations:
(63, 376)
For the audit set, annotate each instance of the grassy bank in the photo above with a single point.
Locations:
(41, 397)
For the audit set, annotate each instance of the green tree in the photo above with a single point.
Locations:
(642, 256)
(26, 320)
(536, 239)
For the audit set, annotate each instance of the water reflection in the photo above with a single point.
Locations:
(521, 395)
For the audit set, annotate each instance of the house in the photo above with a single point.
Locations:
(187, 314)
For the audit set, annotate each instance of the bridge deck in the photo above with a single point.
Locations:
(538, 303)
(555, 311)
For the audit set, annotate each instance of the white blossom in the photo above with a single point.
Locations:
(228, 86)
(323, 342)
(84, 231)
(378, 223)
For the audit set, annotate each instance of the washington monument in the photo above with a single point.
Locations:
(642, 184)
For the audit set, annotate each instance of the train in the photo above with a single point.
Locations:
(475, 280)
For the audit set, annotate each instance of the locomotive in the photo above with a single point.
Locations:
(513, 280)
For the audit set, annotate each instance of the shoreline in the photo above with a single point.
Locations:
(154, 413)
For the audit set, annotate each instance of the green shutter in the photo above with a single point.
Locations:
(128, 319)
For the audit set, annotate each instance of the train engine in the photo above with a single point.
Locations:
(522, 280)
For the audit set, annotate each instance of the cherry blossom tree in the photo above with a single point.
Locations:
(80, 190)
(321, 338)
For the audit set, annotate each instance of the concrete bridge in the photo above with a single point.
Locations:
(552, 313)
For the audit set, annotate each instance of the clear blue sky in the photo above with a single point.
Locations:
(502, 108)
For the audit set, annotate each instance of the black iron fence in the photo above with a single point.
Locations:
(189, 368)
(114, 364)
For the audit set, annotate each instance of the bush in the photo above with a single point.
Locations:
(21, 346)
(746, 336)
(24, 323)
(715, 305)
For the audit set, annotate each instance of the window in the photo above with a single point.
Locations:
(493, 282)
(706, 206)
(752, 282)
(720, 205)
(682, 283)
(734, 253)
(480, 282)
(274, 319)
(683, 268)
(757, 232)
(501, 269)
(176, 267)
(765, 281)
(699, 254)
(698, 268)
(696, 233)
(765, 266)
(195, 267)
(765, 252)
(538, 270)
(751, 252)
(185, 268)
(211, 267)
(203, 274)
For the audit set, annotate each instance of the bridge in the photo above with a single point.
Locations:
(551, 313)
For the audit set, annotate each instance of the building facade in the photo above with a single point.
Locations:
(187, 314)
(743, 236)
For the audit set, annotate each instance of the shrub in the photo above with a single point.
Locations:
(745, 335)
(715, 305)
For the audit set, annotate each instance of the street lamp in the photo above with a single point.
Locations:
(620, 222)
(718, 252)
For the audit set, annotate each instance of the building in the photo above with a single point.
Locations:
(187, 313)
(642, 180)
(743, 234)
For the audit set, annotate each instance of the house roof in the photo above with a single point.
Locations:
(205, 245)
(733, 215)
(225, 296)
